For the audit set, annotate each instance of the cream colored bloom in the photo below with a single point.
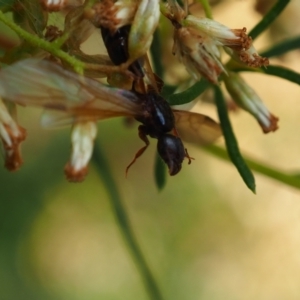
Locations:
(143, 26)
(247, 98)
(141, 15)
(83, 136)
(198, 53)
(197, 42)
(11, 135)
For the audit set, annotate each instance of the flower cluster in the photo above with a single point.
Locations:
(198, 43)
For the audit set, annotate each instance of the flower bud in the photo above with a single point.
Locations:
(197, 42)
(11, 135)
(142, 28)
(247, 99)
(82, 138)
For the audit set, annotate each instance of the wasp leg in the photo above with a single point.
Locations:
(143, 137)
(188, 156)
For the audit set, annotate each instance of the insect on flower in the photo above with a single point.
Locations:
(159, 119)
(81, 101)
(72, 99)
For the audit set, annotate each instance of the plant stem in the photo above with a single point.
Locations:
(291, 180)
(43, 44)
(231, 142)
(268, 18)
(124, 225)
(207, 9)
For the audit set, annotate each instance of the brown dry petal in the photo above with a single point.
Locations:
(253, 60)
(52, 33)
(13, 158)
(105, 15)
(243, 43)
(195, 53)
(75, 175)
(273, 124)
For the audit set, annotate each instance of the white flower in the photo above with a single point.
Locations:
(247, 98)
(143, 26)
(236, 42)
(83, 136)
(197, 42)
(198, 53)
(11, 135)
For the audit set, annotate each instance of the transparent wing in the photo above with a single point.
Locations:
(196, 128)
(46, 84)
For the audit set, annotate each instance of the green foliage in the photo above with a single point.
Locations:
(231, 142)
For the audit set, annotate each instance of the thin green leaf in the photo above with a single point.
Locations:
(282, 72)
(283, 47)
(37, 17)
(283, 177)
(160, 173)
(7, 5)
(156, 54)
(272, 14)
(168, 90)
(33, 40)
(278, 71)
(122, 219)
(206, 7)
(231, 142)
(190, 94)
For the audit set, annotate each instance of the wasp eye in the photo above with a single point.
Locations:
(171, 150)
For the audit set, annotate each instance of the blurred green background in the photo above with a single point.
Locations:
(205, 236)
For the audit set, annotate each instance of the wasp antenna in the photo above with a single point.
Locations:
(188, 156)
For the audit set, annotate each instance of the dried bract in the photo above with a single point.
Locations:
(114, 15)
(78, 28)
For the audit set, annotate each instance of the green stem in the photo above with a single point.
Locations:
(269, 18)
(281, 48)
(207, 9)
(43, 44)
(231, 141)
(124, 225)
(268, 171)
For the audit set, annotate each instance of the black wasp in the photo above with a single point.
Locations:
(70, 98)
(158, 118)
